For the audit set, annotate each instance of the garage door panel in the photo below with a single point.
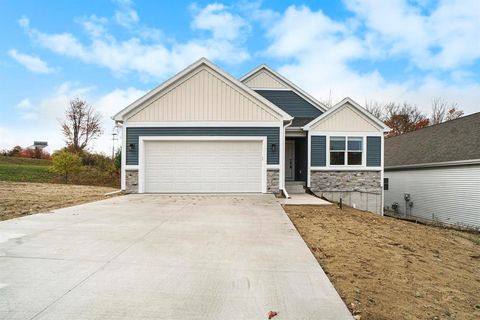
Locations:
(203, 166)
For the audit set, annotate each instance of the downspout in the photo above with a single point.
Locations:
(123, 161)
(283, 188)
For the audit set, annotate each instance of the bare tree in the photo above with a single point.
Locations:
(328, 102)
(453, 112)
(375, 108)
(439, 108)
(404, 118)
(81, 126)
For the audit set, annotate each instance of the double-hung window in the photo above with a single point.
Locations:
(346, 151)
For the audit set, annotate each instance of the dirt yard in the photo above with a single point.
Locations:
(386, 268)
(24, 198)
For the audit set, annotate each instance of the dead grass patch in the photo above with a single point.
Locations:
(385, 268)
(24, 198)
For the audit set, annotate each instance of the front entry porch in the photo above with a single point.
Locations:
(296, 158)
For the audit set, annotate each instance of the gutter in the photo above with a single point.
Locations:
(433, 165)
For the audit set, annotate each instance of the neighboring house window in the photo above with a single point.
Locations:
(346, 151)
(385, 184)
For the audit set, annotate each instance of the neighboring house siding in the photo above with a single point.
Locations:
(204, 96)
(346, 119)
(374, 151)
(263, 79)
(318, 151)
(272, 134)
(291, 103)
(448, 194)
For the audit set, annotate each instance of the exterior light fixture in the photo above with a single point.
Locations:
(131, 147)
(274, 147)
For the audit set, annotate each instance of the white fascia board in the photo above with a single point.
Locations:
(153, 92)
(382, 126)
(203, 61)
(317, 104)
(202, 138)
(347, 133)
(202, 124)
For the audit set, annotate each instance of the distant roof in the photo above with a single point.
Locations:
(291, 103)
(300, 122)
(455, 140)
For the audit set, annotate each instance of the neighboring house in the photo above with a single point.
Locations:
(438, 167)
(204, 131)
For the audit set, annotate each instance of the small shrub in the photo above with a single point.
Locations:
(65, 163)
(118, 160)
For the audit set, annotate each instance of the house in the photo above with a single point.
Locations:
(203, 131)
(434, 173)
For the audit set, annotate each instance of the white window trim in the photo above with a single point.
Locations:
(143, 139)
(346, 165)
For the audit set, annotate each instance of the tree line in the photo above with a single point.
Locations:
(406, 117)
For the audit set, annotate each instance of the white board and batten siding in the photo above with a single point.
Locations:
(264, 80)
(346, 119)
(204, 96)
(449, 195)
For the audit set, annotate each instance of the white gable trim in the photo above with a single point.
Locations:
(376, 122)
(141, 102)
(317, 104)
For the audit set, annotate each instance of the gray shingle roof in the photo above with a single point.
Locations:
(453, 140)
(300, 122)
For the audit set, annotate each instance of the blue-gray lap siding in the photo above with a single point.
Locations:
(318, 152)
(291, 103)
(374, 151)
(272, 134)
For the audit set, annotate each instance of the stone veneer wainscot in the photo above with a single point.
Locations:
(131, 181)
(345, 181)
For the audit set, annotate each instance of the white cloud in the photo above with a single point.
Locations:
(316, 54)
(220, 22)
(151, 58)
(444, 37)
(48, 112)
(25, 104)
(125, 15)
(32, 63)
(93, 25)
(108, 105)
(26, 109)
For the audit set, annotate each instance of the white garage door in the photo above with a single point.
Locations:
(203, 166)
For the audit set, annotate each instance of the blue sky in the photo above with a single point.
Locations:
(112, 52)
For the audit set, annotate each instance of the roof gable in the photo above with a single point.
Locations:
(275, 79)
(266, 80)
(347, 115)
(209, 80)
(455, 140)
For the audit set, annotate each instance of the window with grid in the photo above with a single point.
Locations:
(346, 151)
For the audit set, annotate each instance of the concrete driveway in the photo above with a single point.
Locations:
(162, 257)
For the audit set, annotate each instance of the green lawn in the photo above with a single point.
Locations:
(36, 170)
(25, 170)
